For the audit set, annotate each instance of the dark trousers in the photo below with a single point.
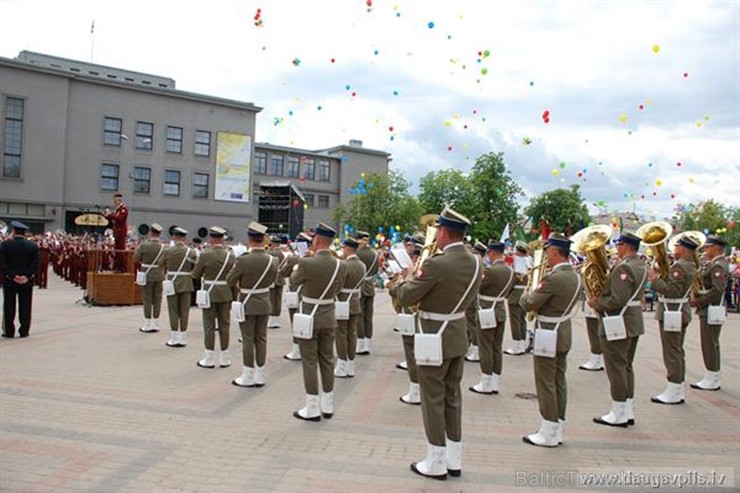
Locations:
(441, 400)
(23, 293)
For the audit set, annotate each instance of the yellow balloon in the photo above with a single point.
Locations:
(623, 118)
(658, 183)
(656, 48)
(555, 172)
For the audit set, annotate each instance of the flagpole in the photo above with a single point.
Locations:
(92, 39)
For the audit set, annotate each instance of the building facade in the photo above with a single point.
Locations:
(74, 133)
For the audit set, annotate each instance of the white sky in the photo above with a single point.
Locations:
(591, 64)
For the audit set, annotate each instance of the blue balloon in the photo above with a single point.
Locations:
(380, 229)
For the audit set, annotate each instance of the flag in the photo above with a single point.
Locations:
(92, 27)
(505, 234)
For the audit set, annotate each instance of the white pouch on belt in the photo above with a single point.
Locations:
(672, 320)
(404, 324)
(341, 310)
(303, 326)
(428, 349)
(168, 287)
(487, 318)
(614, 328)
(237, 311)
(203, 298)
(291, 299)
(545, 342)
(141, 278)
(716, 315)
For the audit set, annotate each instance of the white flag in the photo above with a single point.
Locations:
(505, 234)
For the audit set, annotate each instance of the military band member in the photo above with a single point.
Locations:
(276, 292)
(212, 267)
(622, 293)
(413, 396)
(253, 274)
(119, 220)
(596, 361)
(517, 321)
(319, 274)
(285, 271)
(444, 286)
(674, 292)
(346, 339)
(714, 277)
(471, 316)
(150, 255)
(553, 300)
(371, 259)
(179, 260)
(498, 279)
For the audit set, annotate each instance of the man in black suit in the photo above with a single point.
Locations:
(19, 261)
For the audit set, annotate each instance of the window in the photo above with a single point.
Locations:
(171, 183)
(144, 136)
(293, 167)
(200, 185)
(276, 165)
(202, 143)
(324, 171)
(142, 179)
(13, 133)
(109, 177)
(323, 201)
(112, 128)
(309, 199)
(260, 163)
(174, 140)
(309, 168)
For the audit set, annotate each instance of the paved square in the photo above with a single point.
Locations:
(89, 404)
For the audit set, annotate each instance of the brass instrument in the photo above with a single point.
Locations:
(591, 241)
(537, 272)
(699, 238)
(655, 235)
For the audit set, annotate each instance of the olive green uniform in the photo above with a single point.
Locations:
(676, 286)
(218, 316)
(371, 259)
(593, 327)
(624, 280)
(254, 287)
(554, 297)
(346, 338)
(178, 304)
(517, 322)
(276, 292)
(151, 294)
(498, 279)
(317, 354)
(439, 286)
(714, 278)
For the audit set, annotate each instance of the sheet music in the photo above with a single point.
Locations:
(403, 259)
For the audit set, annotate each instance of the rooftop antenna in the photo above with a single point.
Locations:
(92, 39)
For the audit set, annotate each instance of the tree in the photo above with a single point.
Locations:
(562, 209)
(709, 217)
(493, 197)
(380, 201)
(438, 189)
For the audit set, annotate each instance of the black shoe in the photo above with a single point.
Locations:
(658, 401)
(22, 335)
(441, 477)
(631, 422)
(204, 366)
(604, 422)
(8, 336)
(472, 389)
(315, 418)
(327, 415)
(233, 382)
(455, 473)
(401, 367)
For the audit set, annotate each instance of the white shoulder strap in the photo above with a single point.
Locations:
(223, 267)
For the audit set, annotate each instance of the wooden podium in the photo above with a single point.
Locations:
(111, 288)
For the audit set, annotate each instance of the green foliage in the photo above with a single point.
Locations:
(487, 195)
(710, 217)
(387, 203)
(561, 208)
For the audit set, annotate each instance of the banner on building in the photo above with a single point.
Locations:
(233, 167)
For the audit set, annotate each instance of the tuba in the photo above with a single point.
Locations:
(428, 223)
(537, 272)
(655, 235)
(699, 238)
(591, 241)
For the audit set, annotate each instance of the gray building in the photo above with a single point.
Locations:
(74, 133)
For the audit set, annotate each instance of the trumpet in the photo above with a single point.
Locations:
(537, 272)
(590, 241)
(654, 235)
(699, 238)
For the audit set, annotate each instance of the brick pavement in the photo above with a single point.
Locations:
(89, 404)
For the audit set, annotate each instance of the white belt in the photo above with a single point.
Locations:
(255, 291)
(150, 266)
(350, 291)
(370, 278)
(178, 273)
(673, 300)
(315, 301)
(492, 299)
(703, 291)
(635, 303)
(441, 317)
(518, 286)
(554, 320)
(215, 283)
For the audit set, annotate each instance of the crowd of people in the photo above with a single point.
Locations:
(455, 300)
